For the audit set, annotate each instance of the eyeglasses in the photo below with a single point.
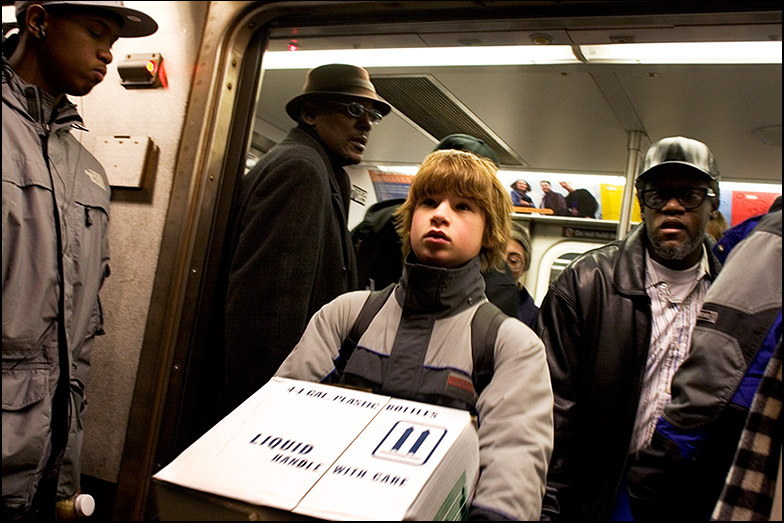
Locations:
(656, 199)
(356, 110)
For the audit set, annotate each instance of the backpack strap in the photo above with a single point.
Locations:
(484, 329)
(373, 304)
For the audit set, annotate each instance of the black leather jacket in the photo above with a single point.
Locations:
(595, 323)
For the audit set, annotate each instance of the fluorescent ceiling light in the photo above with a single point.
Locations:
(685, 53)
(9, 14)
(660, 53)
(423, 56)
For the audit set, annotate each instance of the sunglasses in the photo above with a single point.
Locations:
(357, 110)
(690, 199)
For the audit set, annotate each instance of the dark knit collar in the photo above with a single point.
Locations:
(424, 288)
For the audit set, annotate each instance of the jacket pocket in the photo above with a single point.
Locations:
(22, 388)
(95, 207)
(27, 409)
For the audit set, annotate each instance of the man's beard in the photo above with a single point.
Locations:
(678, 252)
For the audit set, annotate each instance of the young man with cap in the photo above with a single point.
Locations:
(55, 244)
(617, 324)
(291, 250)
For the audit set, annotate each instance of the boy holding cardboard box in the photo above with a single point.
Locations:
(454, 223)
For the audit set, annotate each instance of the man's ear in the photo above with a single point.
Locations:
(36, 20)
(308, 113)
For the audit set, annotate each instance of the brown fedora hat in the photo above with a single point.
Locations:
(337, 79)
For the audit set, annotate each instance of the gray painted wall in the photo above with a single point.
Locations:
(137, 217)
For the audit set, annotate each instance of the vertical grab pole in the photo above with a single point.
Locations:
(632, 163)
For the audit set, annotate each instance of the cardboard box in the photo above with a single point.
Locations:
(319, 451)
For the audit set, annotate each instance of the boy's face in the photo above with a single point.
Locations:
(447, 230)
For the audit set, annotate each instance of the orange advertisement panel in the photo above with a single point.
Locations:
(390, 185)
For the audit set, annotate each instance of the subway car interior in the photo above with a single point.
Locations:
(563, 91)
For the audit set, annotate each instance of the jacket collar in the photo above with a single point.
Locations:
(427, 289)
(338, 179)
(335, 161)
(629, 265)
(37, 105)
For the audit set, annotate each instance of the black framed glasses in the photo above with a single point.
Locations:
(356, 110)
(656, 199)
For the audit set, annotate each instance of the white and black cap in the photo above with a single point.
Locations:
(132, 22)
(679, 151)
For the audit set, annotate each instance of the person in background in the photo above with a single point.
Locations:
(466, 142)
(683, 470)
(455, 221)
(735, 235)
(292, 251)
(55, 244)
(520, 197)
(580, 202)
(617, 323)
(717, 225)
(518, 258)
(552, 200)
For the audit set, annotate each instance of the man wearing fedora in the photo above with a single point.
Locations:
(617, 324)
(55, 245)
(292, 251)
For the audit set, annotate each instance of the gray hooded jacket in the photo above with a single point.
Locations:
(44, 163)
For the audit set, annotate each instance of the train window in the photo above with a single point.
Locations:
(554, 260)
(561, 263)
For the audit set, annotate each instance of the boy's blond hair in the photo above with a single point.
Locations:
(469, 176)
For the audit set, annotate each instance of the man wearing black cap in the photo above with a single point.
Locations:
(617, 324)
(292, 252)
(55, 244)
